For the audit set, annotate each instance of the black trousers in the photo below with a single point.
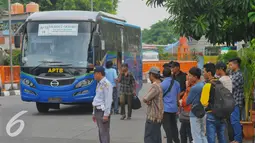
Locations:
(230, 130)
(152, 132)
(185, 132)
(170, 127)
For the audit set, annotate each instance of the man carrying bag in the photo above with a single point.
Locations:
(170, 95)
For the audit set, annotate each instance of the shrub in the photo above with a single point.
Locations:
(227, 56)
(15, 57)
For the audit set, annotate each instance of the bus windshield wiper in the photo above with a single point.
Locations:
(49, 62)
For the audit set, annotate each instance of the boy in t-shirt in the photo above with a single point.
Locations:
(221, 71)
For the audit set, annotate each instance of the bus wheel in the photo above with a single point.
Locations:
(42, 107)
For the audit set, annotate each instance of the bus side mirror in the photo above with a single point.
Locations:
(17, 41)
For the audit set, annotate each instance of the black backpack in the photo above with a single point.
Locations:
(224, 102)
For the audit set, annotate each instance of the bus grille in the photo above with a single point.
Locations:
(62, 82)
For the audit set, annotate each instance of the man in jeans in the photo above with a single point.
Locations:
(127, 90)
(213, 124)
(221, 72)
(155, 108)
(197, 124)
(238, 93)
(170, 106)
(111, 75)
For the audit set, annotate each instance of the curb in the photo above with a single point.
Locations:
(10, 93)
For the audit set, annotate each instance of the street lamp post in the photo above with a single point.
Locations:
(91, 2)
(10, 42)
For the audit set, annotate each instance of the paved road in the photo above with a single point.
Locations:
(70, 124)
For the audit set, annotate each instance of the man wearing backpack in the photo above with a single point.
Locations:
(214, 125)
(221, 71)
(219, 104)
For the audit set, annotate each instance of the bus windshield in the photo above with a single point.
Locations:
(64, 41)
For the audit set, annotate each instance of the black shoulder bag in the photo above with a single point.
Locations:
(169, 88)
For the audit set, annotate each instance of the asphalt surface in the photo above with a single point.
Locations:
(70, 124)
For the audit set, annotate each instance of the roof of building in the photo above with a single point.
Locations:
(70, 15)
(14, 17)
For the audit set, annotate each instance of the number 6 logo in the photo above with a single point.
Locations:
(14, 121)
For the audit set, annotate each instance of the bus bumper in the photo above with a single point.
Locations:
(84, 95)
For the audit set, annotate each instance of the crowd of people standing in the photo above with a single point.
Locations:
(193, 100)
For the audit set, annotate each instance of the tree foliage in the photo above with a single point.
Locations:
(219, 20)
(247, 56)
(251, 14)
(2, 5)
(15, 57)
(162, 54)
(227, 56)
(109, 6)
(161, 32)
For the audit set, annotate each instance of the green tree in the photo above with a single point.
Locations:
(161, 32)
(15, 57)
(163, 55)
(2, 8)
(251, 14)
(109, 6)
(219, 20)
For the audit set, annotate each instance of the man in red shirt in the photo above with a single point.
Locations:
(185, 130)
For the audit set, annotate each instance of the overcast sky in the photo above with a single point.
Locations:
(136, 12)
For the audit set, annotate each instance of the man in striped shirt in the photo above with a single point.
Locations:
(155, 109)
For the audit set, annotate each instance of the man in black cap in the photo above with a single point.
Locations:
(102, 104)
(170, 63)
(166, 65)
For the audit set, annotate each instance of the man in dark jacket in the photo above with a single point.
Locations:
(179, 76)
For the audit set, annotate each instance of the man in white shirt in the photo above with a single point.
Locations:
(102, 104)
(221, 71)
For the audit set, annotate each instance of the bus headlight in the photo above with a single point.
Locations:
(83, 83)
(28, 82)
